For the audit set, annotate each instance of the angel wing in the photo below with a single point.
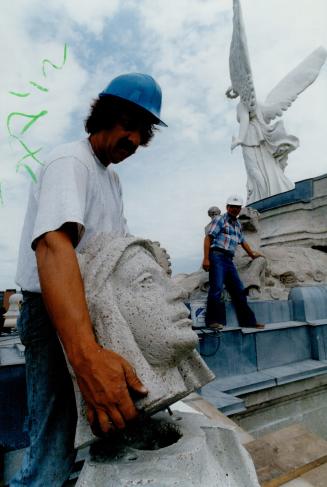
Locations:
(288, 89)
(239, 61)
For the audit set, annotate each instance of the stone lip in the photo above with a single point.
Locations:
(145, 434)
(186, 450)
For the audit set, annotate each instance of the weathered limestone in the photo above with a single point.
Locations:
(190, 452)
(265, 145)
(284, 266)
(12, 314)
(296, 218)
(138, 312)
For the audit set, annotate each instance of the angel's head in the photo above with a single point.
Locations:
(231, 93)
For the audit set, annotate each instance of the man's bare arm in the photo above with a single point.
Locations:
(104, 377)
(251, 253)
(206, 249)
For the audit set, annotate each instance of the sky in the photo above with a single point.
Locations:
(184, 45)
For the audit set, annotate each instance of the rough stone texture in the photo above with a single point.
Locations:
(12, 314)
(191, 452)
(265, 145)
(162, 257)
(284, 266)
(296, 218)
(138, 312)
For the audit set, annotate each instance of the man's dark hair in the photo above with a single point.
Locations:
(107, 111)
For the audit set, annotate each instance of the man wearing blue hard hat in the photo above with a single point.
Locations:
(77, 195)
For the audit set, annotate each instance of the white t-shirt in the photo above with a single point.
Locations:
(72, 186)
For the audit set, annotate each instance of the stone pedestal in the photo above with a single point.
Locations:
(187, 450)
(297, 217)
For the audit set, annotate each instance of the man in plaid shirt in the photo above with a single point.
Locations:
(223, 236)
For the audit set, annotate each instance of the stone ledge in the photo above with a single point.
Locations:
(275, 326)
(317, 322)
(223, 393)
(297, 371)
(241, 384)
(226, 403)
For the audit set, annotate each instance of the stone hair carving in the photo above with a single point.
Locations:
(138, 312)
(265, 146)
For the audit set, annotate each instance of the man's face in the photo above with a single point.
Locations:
(116, 144)
(233, 210)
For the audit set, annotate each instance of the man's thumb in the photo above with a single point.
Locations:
(134, 383)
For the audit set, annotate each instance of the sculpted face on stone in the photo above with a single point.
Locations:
(137, 311)
(153, 307)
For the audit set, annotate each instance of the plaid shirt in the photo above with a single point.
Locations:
(226, 233)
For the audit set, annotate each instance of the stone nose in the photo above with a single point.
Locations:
(176, 292)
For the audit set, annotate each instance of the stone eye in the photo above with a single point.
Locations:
(146, 279)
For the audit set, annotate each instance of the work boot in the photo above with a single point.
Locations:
(215, 326)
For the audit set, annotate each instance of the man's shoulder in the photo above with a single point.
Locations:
(78, 149)
(221, 219)
(215, 224)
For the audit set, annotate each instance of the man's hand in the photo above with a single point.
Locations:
(256, 254)
(206, 264)
(108, 383)
(251, 253)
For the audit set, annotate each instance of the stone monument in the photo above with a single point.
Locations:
(138, 311)
(265, 145)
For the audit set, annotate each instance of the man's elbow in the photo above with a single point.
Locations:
(52, 243)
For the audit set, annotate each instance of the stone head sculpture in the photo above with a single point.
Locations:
(138, 312)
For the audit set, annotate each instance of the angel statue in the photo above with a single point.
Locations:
(265, 145)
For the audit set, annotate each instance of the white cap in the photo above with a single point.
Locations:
(234, 200)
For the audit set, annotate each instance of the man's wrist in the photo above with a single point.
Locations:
(80, 351)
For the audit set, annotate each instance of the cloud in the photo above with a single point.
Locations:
(185, 45)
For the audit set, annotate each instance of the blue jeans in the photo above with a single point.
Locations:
(223, 272)
(50, 399)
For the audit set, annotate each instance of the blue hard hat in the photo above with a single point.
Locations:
(140, 89)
